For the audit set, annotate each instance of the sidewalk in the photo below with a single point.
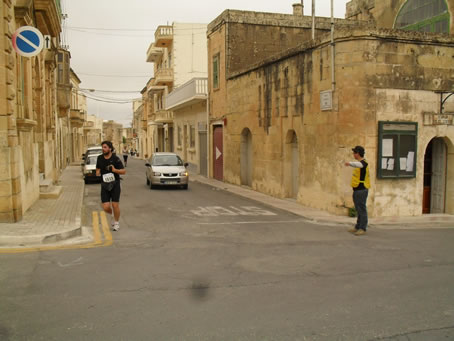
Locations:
(326, 218)
(49, 220)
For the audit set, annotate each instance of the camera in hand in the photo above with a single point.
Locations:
(109, 168)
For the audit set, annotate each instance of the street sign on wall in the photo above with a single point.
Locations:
(28, 41)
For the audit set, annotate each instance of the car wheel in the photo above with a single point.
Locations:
(185, 186)
(148, 182)
(86, 181)
(151, 185)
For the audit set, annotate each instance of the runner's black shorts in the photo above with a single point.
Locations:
(113, 195)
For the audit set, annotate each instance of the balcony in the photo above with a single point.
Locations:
(64, 96)
(143, 124)
(164, 76)
(163, 36)
(192, 92)
(89, 125)
(163, 116)
(77, 118)
(48, 17)
(154, 53)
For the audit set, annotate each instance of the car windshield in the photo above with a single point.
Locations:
(167, 160)
(91, 160)
(94, 151)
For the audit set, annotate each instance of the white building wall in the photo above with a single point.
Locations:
(189, 55)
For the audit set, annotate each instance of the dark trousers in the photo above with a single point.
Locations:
(360, 199)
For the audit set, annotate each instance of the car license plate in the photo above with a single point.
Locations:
(171, 182)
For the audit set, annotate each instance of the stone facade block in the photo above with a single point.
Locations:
(6, 204)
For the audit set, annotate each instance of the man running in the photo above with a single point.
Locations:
(109, 167)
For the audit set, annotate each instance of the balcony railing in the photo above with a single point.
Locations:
(77, 118)
(163, 36)
(164, 76)
(163, 116)
(64, 96)
(154, 53)
(189, 93)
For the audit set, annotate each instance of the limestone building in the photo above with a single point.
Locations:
(180, 61)
(113, 132)
(284, 118)
(35, 95)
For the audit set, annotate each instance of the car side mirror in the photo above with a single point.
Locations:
(186, 164)
(147, 165)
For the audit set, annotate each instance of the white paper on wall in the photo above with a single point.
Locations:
(410, 161)
(391, 164)
(387, 147)
(403, 163)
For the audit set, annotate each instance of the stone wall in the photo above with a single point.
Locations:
(377, 72)
(383, 12)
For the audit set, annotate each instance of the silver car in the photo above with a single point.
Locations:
(89, 168)
(166, 169)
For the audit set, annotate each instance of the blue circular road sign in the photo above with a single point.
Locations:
(28, 41)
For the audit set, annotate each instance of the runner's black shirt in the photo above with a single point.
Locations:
(102, 163)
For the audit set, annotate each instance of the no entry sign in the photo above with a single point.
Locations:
(28, 41)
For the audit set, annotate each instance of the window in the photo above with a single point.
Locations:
(397, 149)
(192, 136)
(216, 71)
(424, 16)
(179, 136)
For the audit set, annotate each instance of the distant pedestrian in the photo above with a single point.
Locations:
(360, 184)
(109, 167)
(125, 156)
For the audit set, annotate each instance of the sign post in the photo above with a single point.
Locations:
(28, 41)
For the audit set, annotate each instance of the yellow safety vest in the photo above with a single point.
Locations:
(356, 177)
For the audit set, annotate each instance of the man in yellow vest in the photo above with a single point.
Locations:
(360, 184)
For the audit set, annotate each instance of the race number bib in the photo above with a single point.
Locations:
(108, 177)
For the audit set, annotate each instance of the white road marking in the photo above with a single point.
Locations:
(214, 211)
(255, 222)
(78, 261)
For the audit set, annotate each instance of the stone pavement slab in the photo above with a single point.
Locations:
(49, 220)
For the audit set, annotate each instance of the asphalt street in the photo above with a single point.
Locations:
(205, 264)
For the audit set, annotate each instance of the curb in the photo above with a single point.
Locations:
(36, 240)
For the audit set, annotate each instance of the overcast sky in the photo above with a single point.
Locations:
(108, 40)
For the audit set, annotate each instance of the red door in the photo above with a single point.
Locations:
(218, 153)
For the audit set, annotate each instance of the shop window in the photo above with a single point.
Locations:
(424, 16)
(397, 146)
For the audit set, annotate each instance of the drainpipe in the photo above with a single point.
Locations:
(313, 19)
(333, 80)
(208, 132)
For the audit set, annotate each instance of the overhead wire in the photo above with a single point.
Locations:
(114, 76)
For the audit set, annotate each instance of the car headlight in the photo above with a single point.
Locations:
(184, 174)
(156, 174)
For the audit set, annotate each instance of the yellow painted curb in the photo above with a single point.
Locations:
(98, 241)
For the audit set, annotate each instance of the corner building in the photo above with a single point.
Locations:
(283, 118)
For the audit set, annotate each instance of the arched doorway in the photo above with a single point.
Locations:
(291, 165)
(246, 157)
(435, 164)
